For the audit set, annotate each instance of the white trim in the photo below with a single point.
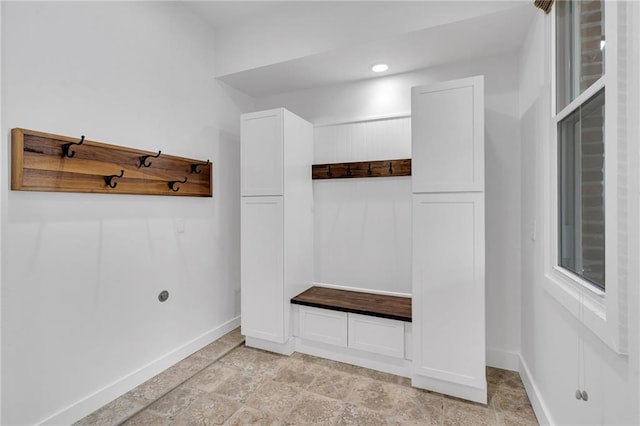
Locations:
(92, 402)
(541, 409)
(505, 360)
(363, 290)
(581, 99)
(601, 312)
(356, 120)
(3, 190)
(398, 366)
(470, 393)
(286, 348)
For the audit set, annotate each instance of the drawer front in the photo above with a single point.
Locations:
(322, 325)
(378, 335)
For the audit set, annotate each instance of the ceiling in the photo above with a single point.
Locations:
(467, 38)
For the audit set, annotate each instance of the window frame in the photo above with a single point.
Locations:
(600, 311)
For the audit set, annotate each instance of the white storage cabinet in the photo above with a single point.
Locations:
(448, 238)
(276, 223)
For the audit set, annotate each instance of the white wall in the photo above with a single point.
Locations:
(553, 340)
(81, 272)
(392, 96)
(362, 226)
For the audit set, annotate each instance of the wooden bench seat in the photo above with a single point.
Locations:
(377, 305)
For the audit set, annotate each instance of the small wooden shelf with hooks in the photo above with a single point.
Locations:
(362, 169)
(47, 162)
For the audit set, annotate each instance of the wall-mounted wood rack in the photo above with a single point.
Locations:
(362, 169)
(47, 162)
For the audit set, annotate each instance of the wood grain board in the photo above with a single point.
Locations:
(38, 164)
(362, 169)
(377, 305)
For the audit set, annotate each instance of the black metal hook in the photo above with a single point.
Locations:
(194, 167)
(369, 171)
(109, 179)
(173, 182)
(348, 169)
(143, 159)
(329, 171)
(66, 152)
(390, 167)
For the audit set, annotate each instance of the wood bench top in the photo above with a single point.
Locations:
(377, 305)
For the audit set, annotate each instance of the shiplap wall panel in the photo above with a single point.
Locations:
(361, 141)
(363, 226)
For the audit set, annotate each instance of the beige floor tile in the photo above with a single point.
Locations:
(314, 409)
(252, 387)
(250, 416)
(372, 394)
(333, 384)
(345, 368)
(415, 406)
(210, 378)
(239, 386)
(298, 373)
(146, 418)
(275, 398)
(155, 387)
(458, 413)
(207, 409)
(174, 402)
(499, 377)
(112, 413)
(217, 349)
(354, 415)
(512, 401)
(506, 419)
(253, 361)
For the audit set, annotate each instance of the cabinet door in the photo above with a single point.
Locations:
(447, 136)
(448, 288)
(262, 268)
(261, 153)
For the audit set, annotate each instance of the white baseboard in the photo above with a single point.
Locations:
(286, 348)
(397, 366)
(503, 359)
(449, 388)
(90, 403)
(539, 407)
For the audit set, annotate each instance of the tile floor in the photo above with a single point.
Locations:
(228, 383)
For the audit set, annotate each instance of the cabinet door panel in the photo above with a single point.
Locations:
(378, 335)
(448, 288)
(262, 268)
(262, 153)
(447, 136)
(323, 325)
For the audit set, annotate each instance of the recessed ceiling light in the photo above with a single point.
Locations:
(379, 67)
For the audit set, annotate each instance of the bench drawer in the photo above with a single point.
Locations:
(378, 335)
(323, 325)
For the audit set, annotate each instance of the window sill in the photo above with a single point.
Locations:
(586, 303)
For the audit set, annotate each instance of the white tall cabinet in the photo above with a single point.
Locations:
(448, 238)
(276, 223)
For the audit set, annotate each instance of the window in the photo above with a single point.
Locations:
(581, 191)
(587, 245)
(581, 138)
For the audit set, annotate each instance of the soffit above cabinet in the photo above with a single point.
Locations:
(297, 55)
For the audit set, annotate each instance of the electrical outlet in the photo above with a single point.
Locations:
(179, 225)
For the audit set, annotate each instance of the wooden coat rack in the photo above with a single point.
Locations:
(362, 169)
(47, 162)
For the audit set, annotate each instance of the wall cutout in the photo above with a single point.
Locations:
(47, 162)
